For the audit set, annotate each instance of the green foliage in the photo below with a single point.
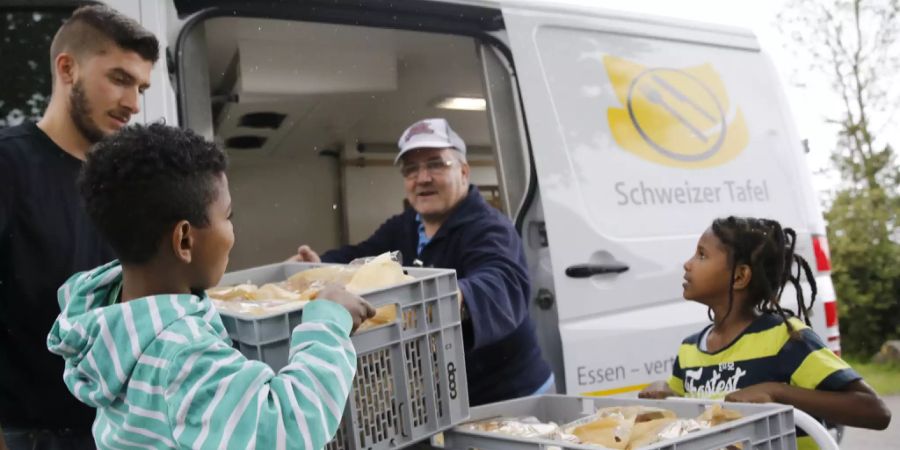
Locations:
(884, 378)
(865, 267)
(25, 79)
(855, 44)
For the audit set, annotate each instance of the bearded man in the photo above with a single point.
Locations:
(101, 63)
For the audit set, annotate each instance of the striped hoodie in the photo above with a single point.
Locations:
(162, 373)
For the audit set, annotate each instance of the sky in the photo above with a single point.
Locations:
(811, 99)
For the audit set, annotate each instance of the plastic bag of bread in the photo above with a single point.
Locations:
(309, 282)
(715, 414)
(617, 427)
(274, 291)
(382, 271)
(680, 428)
(527, 427)
(361, 275)
(257, 307)
(648, 432)
(395, 256)
(383, 316)
(239, 292)
(250, 292)
(610, 431)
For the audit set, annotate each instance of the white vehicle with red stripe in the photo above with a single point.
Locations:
(612, 140)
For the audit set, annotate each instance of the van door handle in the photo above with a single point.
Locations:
(587, 270)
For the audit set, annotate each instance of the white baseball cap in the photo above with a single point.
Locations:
(429, 133)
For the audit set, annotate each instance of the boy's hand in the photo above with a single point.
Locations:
(657, 390)
(359, 309)
(758, 393)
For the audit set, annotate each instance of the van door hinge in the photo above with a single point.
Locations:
(537, 232)
(170, 62)
(545, 299)
(172, 67)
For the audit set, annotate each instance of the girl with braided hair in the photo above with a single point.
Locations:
(755, 350)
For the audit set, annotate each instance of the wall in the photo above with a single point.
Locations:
(285, 194)
(280, 203)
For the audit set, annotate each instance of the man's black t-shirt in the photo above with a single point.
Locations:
(45, 237)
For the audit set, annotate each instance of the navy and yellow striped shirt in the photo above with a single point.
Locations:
(764, 352)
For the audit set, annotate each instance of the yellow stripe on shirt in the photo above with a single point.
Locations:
(817, 366)
(676, 384)
(763, 344)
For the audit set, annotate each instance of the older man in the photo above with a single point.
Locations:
(450, 225)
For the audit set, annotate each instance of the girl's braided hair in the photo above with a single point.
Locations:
(768, 249)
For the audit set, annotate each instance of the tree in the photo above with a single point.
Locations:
(855, 45)
(865, 270)
(25, 80)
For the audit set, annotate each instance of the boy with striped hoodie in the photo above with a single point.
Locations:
(143, 344)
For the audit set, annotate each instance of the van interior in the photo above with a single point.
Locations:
(310, 115)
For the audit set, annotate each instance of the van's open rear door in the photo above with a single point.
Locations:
(642, 133)
(158, 102)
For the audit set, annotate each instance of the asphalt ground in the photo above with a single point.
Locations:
(861, 439)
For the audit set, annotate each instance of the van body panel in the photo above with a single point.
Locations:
(640, 141)
(607, 99)
(158, 103)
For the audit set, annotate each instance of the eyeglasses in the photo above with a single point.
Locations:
(433, 167)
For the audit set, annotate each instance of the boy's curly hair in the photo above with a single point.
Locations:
(142, 180)
(768, 249)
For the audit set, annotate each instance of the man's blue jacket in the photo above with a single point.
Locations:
(503, 360)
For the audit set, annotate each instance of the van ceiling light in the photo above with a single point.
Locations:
(460, 103)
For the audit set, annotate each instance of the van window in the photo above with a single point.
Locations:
(25, 81)
(310, 114)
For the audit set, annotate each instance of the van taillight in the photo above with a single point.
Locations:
(831, 314)
(823, 260)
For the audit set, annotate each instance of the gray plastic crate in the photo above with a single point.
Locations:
(410, 377)
(763, 427)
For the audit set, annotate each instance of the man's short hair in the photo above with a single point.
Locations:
(140, 181)
(91, 28)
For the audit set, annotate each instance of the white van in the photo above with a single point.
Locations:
(611, 140)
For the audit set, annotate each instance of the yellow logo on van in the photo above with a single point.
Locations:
(675, 117)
